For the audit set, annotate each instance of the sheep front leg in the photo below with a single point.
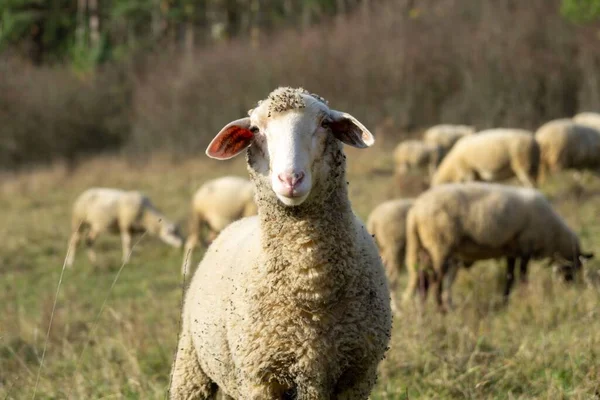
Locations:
(356, 384)
(188, 380)
(190, 244)
(126, 242)
(523, 270)
(73, 242)
(89, 242)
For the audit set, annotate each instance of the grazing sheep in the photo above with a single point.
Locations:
(590, 119)
(491, 155)
(387, 223)
(567, 145)
(292, 303)
(415, 154)
(446, 135)
(217, 204)
(479, 221)
(100, 210)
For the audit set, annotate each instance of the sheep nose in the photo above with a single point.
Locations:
(291, 180)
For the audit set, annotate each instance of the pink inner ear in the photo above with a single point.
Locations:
(230, 142)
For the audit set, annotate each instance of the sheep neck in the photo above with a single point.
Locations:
(309, 248)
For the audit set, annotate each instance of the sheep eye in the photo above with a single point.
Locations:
(325, 123)
(254, 129)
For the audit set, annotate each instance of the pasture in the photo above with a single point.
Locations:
(114, 330)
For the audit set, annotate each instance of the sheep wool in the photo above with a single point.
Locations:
(491, 155)
(567, 145)
(477, 221)
(292, 303)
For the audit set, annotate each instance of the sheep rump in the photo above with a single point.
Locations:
(216, 204)
(567, 145)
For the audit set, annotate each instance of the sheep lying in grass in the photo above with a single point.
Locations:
(446, 135)
(590, 119)
(567, 145)
(217, 204)
(100, 210)
(292, 303)
(415, 154)
(491, 155)
(478, 221)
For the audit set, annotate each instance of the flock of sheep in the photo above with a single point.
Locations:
(293, 302)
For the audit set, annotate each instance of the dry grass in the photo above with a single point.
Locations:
(544, 345)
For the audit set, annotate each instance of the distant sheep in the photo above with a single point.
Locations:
(590, 119)
(479, 221)
(387, 223)
(567, 145)
(99, 210)
(446, 135)
(491, 155)
(216, 204)
(292, 303)
(415, 154)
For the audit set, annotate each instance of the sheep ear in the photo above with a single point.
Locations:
(586, 256)
(231, 140)
(348, 130)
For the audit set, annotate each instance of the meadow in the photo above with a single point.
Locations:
(114, 330)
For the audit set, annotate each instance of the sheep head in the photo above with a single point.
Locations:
(170, 234)
(289, 133)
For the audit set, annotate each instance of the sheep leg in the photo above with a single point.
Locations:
(510, 276)
(523, 270)
(450, 277)
(354, 384)
(190, 244)
(126, 242)
(438, 287)
(524, 178)
(75, 238)
(188, 381)
(89, 243)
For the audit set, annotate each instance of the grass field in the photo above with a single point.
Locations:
(545, 344)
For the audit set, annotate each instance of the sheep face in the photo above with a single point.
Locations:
(169, 233)
(289, 133)
(569, 270)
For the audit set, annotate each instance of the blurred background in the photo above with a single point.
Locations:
(128, 93)
(79, 77)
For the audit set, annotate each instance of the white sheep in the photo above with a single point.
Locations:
(590, 119)
(491, 155)
(416, 154)
(292, 303)
(567, 145)
(99, 210)
(387, 223)
(446, 135)
(478, 221)
(216, 204)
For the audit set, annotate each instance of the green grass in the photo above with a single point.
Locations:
(545, 344)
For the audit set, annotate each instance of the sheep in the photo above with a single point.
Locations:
(99, 210)
(491, 155)
(590, 119)
(446, 135)
(567, 145)
(416, 154)
(478, 221)
(292, 303)
(217, 203)
(387, 223)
